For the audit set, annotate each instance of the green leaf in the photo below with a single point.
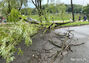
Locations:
(20, 51)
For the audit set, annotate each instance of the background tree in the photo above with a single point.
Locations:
(61, 8)
(72, 7)
(86, 11)
(38, 5)
(26, 11)
(22, 2)
(77, 8)
(7, 5)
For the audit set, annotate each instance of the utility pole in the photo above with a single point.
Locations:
(72, 8)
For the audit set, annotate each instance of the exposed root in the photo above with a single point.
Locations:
(54, 44)
(65, 45)
(77, 44)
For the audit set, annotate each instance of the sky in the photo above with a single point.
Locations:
(81, 2)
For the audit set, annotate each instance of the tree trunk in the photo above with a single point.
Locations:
(9, 7)
(38, 6)
(21, 5)
(40, 12)
(73, 18)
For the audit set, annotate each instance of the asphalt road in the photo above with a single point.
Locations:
(80, 53)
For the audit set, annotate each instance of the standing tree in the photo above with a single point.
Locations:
(7, 5)
(72, 10)
(38, 5)
(22, 2)
(86, 11)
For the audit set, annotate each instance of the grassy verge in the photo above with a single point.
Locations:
(56, 17)
(75, 24)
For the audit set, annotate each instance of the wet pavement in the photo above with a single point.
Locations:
(80, 53)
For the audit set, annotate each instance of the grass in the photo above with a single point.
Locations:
(75, 24)
(56, 17)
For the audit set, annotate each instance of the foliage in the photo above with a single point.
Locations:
(58, 12)
(34, 11)
(62, 10)
(26, 11)
(7, 5)
(77, 8)
(52, 9)
(14, 15)
(58, 7)
(11, 35)
(57, 17)
(86, 8)
(86, 11)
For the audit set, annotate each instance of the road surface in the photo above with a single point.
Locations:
(80, 53)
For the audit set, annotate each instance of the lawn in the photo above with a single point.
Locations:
(75, 23)
(56, 17)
